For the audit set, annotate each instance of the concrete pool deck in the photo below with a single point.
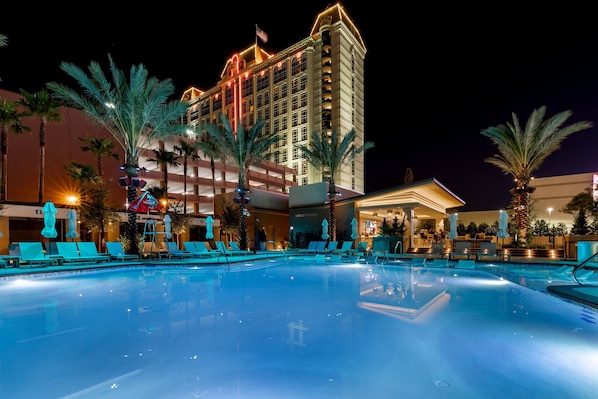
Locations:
(587, 295)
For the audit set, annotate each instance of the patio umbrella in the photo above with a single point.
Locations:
(145, 203)
(72, 224)
(503, 225)
(49, 211)
(453, 230)
(167, 229)
(354, 233)
(209, 228)
(325, 234)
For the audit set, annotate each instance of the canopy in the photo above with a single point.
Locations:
(145, 203)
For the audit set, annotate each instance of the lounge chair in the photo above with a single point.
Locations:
(32, 254)
(465, 264)
(175, 252)
(462, 249)
(312, 248)
(88, 249)
(199, 249)
(221, 246)
(116, 251)
(379, 251)
(70, 253)
(328, 249)
(487, 249)
(438, 263)
(235, 247)
(344, 249)
(437, 250)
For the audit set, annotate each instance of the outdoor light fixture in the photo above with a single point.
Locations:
(126, 181)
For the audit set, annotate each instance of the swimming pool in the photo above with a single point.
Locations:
(291, 330)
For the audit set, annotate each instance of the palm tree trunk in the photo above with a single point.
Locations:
(332, 226)
(132, 228)
(185, 186)
(4, 149)
(42, 159)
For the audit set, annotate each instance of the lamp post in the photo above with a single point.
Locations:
(549, 213)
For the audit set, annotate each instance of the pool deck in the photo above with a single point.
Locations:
(587, 295)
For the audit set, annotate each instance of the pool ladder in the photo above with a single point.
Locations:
(583, 265)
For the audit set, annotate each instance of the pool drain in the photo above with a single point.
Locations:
(443, 384)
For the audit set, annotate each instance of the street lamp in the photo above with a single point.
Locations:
(550, 237)
(549, 213)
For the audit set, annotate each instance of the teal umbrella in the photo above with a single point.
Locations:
(49, 211)
(453, 231)
(354, 233)
(325, 234)
(72, 224)
(209, 228)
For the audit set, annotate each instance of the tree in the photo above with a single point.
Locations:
(11, 120)
(186, 150)
(164, 159)
(3, 40)
(99, 148)
(42, 105)
(136, 113)
(580, 207)
(521, 152)
(329, 154)
(94, 208)
(241, 149)
(408, 176)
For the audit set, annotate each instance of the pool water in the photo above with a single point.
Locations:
(291, 330)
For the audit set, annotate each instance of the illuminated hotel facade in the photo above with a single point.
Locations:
(315, 85)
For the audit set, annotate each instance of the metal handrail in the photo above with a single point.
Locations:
(581, 266)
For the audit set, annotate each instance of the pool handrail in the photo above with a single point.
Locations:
(582, 265)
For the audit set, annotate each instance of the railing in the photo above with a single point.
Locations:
(583, 265)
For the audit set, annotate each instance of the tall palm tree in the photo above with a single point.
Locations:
(241, 149)
(329, 154)
(211, 151)
(522, 151)
(187, 150)
(42, 105)
(99, 148)
(11, 120)
(136, 113)
(164, 159)
(3, 40)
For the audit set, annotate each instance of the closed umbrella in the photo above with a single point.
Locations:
(503, 225)
(49, 211)
(167, 228)
(72, 225)
(209, 228)
(354, 233)
(325, 234)
(453, 230)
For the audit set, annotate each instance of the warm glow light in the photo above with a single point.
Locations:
(72, 199)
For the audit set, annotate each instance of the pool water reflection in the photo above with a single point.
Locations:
(291, 330)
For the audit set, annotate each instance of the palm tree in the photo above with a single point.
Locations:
(48, 110)
(136, 113)
(187, 150)
(211, 151)
(329, 154)
(3, 40)
(521, 152)
(10, 120)
(99, 148)
(241, 149)
(164, 159)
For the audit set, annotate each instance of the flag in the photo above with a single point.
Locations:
(261, 34)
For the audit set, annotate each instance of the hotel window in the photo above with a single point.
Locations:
(285, 138)
(353, 167)
(229, 94)
(216, 103)
(276, 125)
(259, 114)
(294, 119)
(303, 82)
(285, 157)
(283, 91)
(295, 166)
(304, 168)
(205, 108)
(304, 181)
(295, 154)
(276, 110)
(352, 183)
(251, 121)
(284, 106)
(275, 93)
(304, 99)
(303, 133)
(276, 157)
(303, 116)
(266, 98)
(263, 81)
(280, 72)
(294, 103)
(266, 127)
(284, 123)
(295, 136)
(294, 86)
(259, 100)
(247, 85)
(267, 113)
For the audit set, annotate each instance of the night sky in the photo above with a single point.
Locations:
(435, 77)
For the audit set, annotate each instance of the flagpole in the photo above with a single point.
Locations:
(256, 36)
